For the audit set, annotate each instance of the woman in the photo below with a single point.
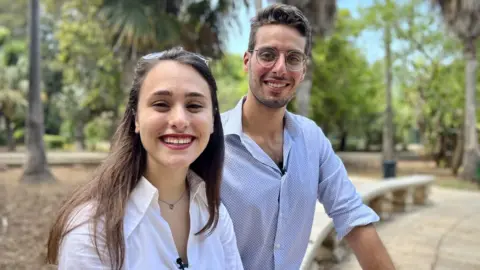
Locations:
(154, 203)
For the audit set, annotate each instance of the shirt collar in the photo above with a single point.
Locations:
(233, 123)
(145, 193)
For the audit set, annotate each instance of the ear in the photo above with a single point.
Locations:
(246, 60)
(304, 71)
(137, 125)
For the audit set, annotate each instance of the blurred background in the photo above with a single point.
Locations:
(392, 83)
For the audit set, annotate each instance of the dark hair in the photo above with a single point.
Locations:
(120, 172)
(281, 14)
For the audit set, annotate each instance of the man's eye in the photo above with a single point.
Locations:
(267, 56)
(294, 59)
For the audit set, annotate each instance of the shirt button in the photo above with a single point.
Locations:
(281, 215)
(277, 246)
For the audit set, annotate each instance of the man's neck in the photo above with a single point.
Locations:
(260, 120)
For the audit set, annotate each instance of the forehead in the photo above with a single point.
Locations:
(176, 77)
(281, 37)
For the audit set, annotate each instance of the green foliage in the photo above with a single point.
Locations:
(90, 69)
(232, 81)
(13, 16)
(54, 141)
(346, 89)
(5, 34)
(146, 25)
(97, 130)
(19, 135)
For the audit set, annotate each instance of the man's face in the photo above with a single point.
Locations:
(277, 65)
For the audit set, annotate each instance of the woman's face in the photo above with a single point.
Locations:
(174, 115)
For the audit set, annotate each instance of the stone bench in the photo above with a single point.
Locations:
(385, 197)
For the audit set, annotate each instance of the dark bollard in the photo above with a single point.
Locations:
(389, 168)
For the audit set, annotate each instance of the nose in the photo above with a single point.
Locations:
(280, 68)
(178, 119)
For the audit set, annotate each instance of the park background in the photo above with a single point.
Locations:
(392, 84)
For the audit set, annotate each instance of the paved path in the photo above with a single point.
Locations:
(442, 236)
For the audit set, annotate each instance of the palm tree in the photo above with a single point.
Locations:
(461, 17)
(321, 14)
(36, 168)
(142, 26)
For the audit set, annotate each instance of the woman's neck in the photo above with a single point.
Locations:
(171, 183)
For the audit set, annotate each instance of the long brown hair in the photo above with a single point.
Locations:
(114, 180)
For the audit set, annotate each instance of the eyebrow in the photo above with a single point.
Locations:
(169, 93)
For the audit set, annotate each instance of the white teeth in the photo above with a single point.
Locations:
(177, 141)
(276, 85)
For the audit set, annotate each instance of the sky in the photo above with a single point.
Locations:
(370, 41)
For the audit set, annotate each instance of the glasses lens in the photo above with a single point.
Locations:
(267, 56)
(295, 60)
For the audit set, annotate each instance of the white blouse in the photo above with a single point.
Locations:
(149, 242)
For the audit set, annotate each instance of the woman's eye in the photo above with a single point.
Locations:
(160, 105)
(194, 107)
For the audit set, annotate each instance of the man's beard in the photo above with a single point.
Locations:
(270, 103)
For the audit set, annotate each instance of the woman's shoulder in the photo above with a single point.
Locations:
(80, 220)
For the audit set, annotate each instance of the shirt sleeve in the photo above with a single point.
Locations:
(338, 195)
(77, 250)
(229, 241)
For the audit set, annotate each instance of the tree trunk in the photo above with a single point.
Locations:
(303, 91)
(36, 167)
(79, 136)
(470, 154)
(439, 149)
(343, 141)
(368, 141)
(458, 152)
(388, 148)
(10, 140)
(258, 5)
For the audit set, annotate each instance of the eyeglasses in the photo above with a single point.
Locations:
(267, 57)
(157, 55)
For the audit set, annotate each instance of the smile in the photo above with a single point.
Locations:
(276, 85)
(177, 142)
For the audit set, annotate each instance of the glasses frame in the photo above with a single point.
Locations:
(304, 60)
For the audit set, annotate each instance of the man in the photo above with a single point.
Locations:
(278, 164)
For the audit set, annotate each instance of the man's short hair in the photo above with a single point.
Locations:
(284, 15)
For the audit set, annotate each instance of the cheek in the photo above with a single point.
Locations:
(152, 123)
(203, 125)
(297, 77)
(258, 71)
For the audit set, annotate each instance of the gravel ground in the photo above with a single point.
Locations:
(27, 212)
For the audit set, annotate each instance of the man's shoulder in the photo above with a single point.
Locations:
(307, 126)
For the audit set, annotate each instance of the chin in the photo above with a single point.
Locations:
(174, 163)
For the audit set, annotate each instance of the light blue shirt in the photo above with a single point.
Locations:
(272, 209)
